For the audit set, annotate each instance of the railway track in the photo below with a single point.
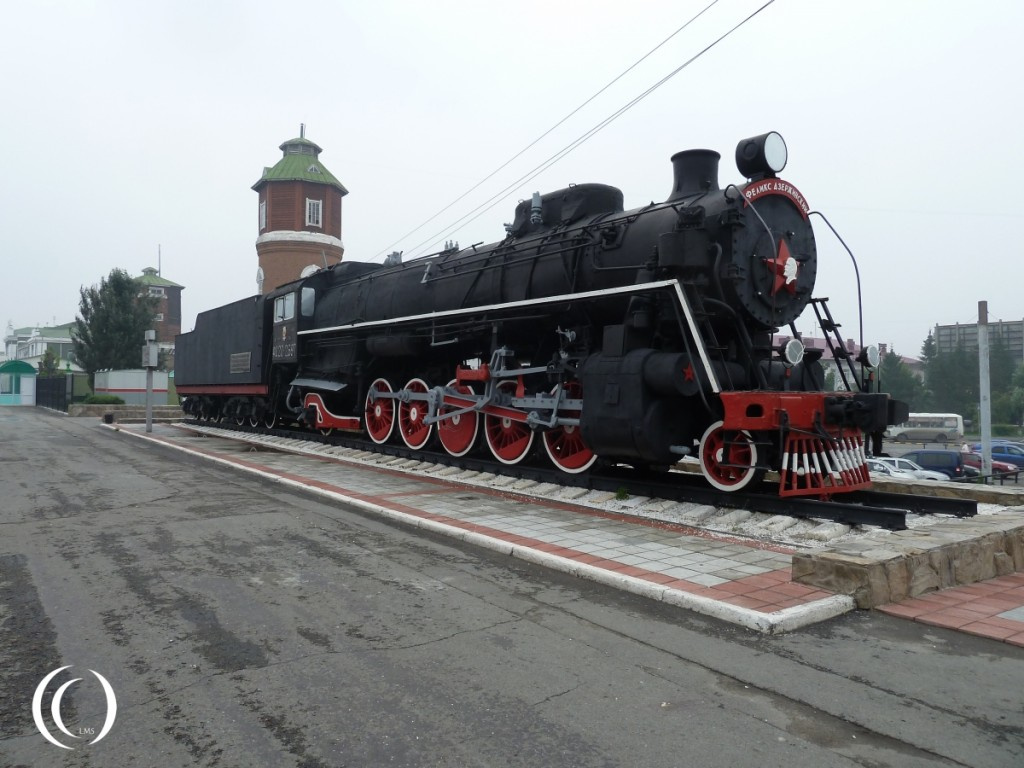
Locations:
(873, 508)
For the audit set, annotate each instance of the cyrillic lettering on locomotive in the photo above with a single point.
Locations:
(759, 189)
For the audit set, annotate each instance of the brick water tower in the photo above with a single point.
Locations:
(299, 215)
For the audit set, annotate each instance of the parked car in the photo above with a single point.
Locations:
(879, 467)
(1012, 453)
(998, 467)
(908, 466)
(949, 463)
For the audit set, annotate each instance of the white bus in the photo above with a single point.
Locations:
(929, 428)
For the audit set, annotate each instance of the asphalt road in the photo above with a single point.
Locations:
(242, 624)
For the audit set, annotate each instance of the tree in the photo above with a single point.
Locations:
(952, 378)
(1017, 397)
(113, 319)
(896, 378)
(48, 364)
(1000, 366)
(929, 350)
(831, 380)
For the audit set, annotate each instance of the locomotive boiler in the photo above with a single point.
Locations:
(643, 337)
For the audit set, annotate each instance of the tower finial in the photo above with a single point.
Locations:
(302, 130)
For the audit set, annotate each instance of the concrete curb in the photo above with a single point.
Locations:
(767, 623)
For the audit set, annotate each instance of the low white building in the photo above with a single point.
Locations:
(130, 386)
(30, 344)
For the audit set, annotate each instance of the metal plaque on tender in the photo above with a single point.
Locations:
(241, 362)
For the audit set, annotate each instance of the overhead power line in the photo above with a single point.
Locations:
(529, 146)
(537, 170)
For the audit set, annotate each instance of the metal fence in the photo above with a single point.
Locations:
(60, 391)
(53, 392)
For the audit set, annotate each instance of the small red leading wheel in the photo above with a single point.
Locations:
(564, 445)
(411, 414)
(379, 412)
(510, 441)
(458, 434)
(728, 458)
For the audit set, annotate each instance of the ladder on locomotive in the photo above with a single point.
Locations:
(834, 342)
(717, 351)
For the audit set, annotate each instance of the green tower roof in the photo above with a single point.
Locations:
(150, 277)
(300, 162)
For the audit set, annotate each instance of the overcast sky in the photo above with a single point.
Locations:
(130, 126)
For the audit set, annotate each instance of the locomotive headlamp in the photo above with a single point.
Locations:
(793, 352)
(761, 156)
(870, 357)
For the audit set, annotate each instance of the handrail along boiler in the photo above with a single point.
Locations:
(637, 336)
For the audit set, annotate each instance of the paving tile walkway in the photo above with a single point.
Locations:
(993, 608)
(739, 580)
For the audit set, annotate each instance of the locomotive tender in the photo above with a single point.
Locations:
(640, 337)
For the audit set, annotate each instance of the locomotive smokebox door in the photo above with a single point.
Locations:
(771, 270)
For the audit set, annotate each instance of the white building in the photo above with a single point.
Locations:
(30, 344)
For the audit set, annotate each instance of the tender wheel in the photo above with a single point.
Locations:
(564, 445)
(414, 432)
(254, 422)
(458, 434)
(269, 419)
(239, 420)
(510, 441)
(326, 431)
(379, 412)
(728, 458)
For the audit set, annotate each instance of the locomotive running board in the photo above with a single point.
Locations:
(672, 285)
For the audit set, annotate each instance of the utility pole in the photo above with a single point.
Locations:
(984, 390)
(150, 358)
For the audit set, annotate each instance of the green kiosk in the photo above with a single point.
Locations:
(17, 383)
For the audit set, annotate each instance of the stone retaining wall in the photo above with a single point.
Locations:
(126, 413)
(884, 567)
(1005, 494)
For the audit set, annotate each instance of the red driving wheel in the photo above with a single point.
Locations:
(510, 441)
(458, 433)
(564, 444)
(415, 433)
(379, 412)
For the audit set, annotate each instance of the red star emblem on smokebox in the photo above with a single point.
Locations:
(784, 269)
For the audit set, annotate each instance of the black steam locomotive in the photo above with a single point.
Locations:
(640, 337)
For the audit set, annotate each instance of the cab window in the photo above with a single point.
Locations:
(284, 307)
(308, 301)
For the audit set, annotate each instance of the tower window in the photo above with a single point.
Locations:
(263, 215)
(313, 212)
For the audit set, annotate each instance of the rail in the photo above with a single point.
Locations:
(884, 510)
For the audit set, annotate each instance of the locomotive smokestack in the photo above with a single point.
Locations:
(694, 171)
